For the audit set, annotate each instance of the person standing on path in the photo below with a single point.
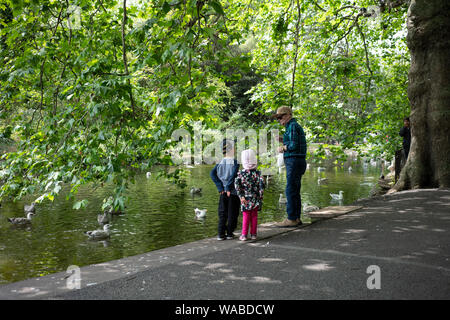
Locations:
(223, 175)
(294, 154)
(250, 188)
(405, 132)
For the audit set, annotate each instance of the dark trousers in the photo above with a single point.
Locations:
(295, 168)
(228, 213)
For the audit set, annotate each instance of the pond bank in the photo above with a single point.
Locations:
(405, 234)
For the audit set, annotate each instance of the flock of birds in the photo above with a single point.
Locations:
(101, 234)
(104, 219)
(334, 196)
(310, 208)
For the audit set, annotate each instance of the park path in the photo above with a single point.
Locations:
(395, 247)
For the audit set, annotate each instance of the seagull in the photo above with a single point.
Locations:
(99, 234)
(148, 175)
(282, 199)
(31, 208)
(320, 169)
(195, 190)
(350, 169)
(339, 196)
(200, 214)
(22, 221)
(322, 180)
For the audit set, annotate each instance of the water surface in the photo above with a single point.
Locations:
(158, 215)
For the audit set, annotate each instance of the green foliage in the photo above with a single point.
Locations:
(91, 92)
(350, 83)
(93, 102)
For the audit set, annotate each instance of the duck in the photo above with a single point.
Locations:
(195, 190)
(319, 169)
(148, 175)
(30, 208)
(282, 199)
(104, 218)
(200, 214)
(309, 208)
(22, 221)
(322, 180)
(339, 196)
(350, 169)
(99, 234)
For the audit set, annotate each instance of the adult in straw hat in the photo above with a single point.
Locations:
(294, 153)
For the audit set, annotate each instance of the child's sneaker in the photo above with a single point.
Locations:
(253, 237)
(243, 238)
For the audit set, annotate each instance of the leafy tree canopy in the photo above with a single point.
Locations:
(92, 90)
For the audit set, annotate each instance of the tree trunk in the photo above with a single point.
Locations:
(428, 164)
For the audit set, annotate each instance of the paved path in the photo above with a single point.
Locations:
(395, 247)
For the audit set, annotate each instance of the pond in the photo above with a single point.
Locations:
(158, 215)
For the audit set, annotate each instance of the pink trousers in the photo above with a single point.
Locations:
(249, 217)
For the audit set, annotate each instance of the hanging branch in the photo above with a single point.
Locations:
(365, 49)
(297, 37)
(124, 54)
(41, 73)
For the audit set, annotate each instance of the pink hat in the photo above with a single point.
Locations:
(248, 158)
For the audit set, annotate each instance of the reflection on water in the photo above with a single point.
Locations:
(158, 215)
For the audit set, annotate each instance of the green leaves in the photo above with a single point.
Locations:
(216, 6)
(74, 110)
(80, 204)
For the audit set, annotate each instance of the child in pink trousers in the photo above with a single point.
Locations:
(250, 187)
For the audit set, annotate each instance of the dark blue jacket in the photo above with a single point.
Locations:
(224, 173)
(294, 139)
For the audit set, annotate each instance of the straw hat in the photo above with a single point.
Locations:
(282, 111)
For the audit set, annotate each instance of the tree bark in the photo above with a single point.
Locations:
(428, 164)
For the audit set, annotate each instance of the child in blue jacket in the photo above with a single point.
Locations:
(223, 176)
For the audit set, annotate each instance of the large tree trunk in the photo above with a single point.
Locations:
(428, 164)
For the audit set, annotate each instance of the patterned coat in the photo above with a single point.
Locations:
(250, 185)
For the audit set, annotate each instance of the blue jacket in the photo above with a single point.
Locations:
(224, 173)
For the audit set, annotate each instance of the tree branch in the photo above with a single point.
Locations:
(124, 53)
(297, 39)
(391, 4)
